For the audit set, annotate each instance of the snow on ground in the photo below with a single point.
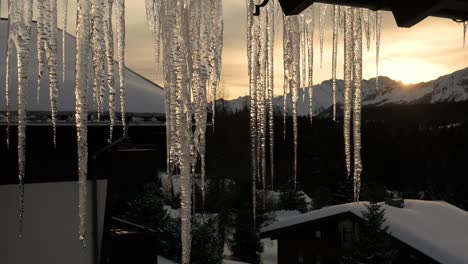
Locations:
(228, 261)
(162, 260)
(435, 228)
(270, 251)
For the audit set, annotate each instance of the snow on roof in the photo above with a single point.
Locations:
(435, 228)
(142, 95)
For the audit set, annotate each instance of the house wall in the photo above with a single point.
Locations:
(50, 233)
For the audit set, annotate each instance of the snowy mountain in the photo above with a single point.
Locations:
(446, 89)
(142, 95)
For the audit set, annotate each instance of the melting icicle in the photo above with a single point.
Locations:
(291, 41)
(357, 81)
(336, 18)
(378, 30)
(310, 51)
(216, 50)
(109, 44)
(153, 19)
(51, 56)
(348, 60)
(465, 27)
(42, 38)
(366, 17)
(251, 53)
(20, 27)
(64, 34)
(98, 54)
(322, 15)
(270, 9)
(10, 45)
(81, 106)
(120, 4)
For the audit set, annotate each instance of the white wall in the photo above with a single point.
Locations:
(50, 233)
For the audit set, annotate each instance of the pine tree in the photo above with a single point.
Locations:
(374, 245)
(292, 198)
(343, 191)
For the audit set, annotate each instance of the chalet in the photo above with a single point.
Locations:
(50, 233)
(421, 231)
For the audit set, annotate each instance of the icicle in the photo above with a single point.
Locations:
(465, 27)
(81, 106)
(310, 51)
(98, 54)
(10, 45)
(251, 54)
(378, 26)
(42, 38)
(109, 49)
(336, 18)
(154, 22)
(348, 60)
(51, 57)
(366, 20)
(19, 32)
(357, 78)
(270, 84)
(64, 40)
(120, 4)
(322, 15)
(304, 51)
(216, 49)
(291, 41)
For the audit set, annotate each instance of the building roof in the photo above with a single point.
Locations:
(435, 228)
(142, 95)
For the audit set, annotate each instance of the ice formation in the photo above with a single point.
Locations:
(336, 19)
(378, 31)
(291, 57)
(20, 15)
(64, 34)
(83, 27)
(120, 21)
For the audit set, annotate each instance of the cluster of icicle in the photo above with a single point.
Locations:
(260, 39)
(94, 39)
(190, 35)
(298, 57)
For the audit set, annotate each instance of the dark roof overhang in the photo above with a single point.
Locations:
(407, 13)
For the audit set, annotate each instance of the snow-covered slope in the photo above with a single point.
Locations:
(435, 228)
(449, 88)
(142, 94)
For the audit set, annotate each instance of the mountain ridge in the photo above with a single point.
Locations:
(448, 88)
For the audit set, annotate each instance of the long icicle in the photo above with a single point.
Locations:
(357, 79)
(109, 44)
(81, 108)
(322, 15)
(51, 56)
(251, 51)
(348, 60)
(270, 86)
(336, 18)
(120, 4)
(291, 41)
(42, 39)
(64, 39)
(378, 31)
(216, 50)
(98, 54)
(10, 45)
(21, 18)
(310, 16)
